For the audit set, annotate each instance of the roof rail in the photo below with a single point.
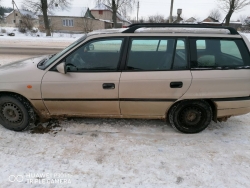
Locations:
(133, 27)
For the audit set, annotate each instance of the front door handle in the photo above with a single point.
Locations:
(176, 84)
(108, 86)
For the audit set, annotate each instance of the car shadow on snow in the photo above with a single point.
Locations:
(54, 126)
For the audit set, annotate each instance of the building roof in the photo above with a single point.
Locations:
(6, 14)
(192, 19)
(210, 19)
(71, 12)
(27, 12)
(102, 6)
(23, 12)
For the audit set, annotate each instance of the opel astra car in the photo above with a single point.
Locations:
(187, 74)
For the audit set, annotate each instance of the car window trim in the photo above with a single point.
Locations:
(157, 37)
(53, 68)
(193, 53)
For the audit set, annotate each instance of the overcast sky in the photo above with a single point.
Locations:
(190, 8)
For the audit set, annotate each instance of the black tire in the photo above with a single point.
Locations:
(191, 116)
(15, 113)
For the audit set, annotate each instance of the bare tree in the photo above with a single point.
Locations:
(123, 6)
(44, 6)
(173, 19)
(156, 19)
(86, 22)
(26, 23)
(141, 20)
(242, 19)
(215, 14)
(230, 6)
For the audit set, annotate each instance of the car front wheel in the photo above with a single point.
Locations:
(15, 113)
(190, 116)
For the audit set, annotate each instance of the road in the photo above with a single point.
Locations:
(32, 51)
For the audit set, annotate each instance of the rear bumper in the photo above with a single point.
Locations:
(232, 107)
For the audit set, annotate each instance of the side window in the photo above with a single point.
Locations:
(230, 48)
(201, 44)
(163, 45)
(212, 53)
(98, 55)
(150, 54)
(180, 59)
(144, 45)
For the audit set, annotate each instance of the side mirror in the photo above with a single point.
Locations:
(61, 68)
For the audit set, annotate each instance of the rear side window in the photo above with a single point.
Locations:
(223, 53)
(149, 45)
(161, 54)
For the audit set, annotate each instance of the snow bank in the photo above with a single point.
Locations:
(34, 36)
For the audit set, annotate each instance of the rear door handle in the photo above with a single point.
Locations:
(108, 86)
(176, 84)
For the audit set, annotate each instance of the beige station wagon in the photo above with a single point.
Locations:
(187, 74)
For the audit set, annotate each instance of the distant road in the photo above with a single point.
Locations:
(28, 51)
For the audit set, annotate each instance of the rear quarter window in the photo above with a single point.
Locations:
(217, 52)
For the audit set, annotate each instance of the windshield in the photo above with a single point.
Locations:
(49, 61)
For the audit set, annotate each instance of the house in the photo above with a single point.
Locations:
(211, 21)
(191, 20)
(178, 20)
(73, 20)
(105, 12)
(13, 18)
(235, 24)
(247, 20)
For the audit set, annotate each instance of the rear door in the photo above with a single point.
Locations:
(155, 76)
(220, 68)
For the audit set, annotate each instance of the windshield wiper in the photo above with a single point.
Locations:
(41, 63)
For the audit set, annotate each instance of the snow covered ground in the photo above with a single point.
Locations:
(125, 153)
(34, 36)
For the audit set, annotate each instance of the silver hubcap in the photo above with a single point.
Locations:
(12, 113)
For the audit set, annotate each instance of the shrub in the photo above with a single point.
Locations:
(26, 24)
(3, 30)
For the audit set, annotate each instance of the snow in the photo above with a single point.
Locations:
(102, 6)
(125, 153)
(34, 36)
(24, 12)
(70, 12)
(129, 153)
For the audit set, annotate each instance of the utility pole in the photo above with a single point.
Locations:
(171, 12)
(14, 12)
(138, 6)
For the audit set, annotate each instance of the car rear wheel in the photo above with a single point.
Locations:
(190, 116)
(15, 114)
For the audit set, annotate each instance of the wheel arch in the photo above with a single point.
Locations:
(28, 109)
(15, 94)
(28, 103)
(209, 101)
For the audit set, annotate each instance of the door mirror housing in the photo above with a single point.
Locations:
(61, 68)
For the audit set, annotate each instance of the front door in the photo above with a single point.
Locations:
(90, 86)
